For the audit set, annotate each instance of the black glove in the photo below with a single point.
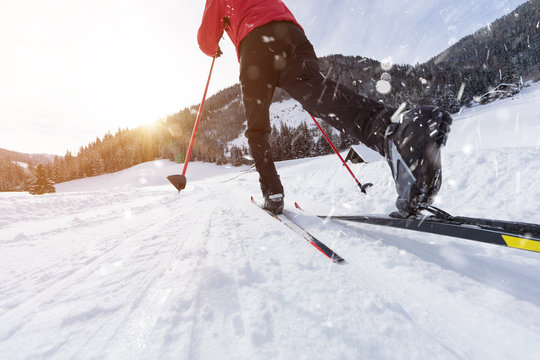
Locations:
(219, 52)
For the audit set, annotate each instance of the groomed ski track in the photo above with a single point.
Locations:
(102, 271)
(147, 273)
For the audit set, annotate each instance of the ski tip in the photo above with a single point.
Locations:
(296, 205)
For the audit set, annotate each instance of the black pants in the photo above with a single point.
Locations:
(278, 54)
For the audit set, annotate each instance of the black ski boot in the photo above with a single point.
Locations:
(412, 148)
(274, 203)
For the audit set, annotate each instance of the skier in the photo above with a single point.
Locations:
(273, 51)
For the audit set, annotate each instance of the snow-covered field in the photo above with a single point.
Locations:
(121, 266)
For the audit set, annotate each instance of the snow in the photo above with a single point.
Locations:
(510, 122)
(123, 266)
(21, 164)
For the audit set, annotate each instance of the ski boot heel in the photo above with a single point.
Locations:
(274, 203)
(412, 149)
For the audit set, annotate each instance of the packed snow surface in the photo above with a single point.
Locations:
(121, 266)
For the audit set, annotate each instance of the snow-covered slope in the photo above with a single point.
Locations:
(122, 266)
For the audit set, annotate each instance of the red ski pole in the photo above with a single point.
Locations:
(179, 181)
(362, 187)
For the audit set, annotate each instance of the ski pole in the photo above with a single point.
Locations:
(362, 187)
(179, 181)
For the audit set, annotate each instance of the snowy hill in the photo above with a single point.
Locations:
(24, 159)
(122, 266)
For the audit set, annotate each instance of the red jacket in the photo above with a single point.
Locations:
(243, 16)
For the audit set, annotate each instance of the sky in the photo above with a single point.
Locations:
(73, 70)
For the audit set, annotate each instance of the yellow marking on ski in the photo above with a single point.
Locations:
(521, 243)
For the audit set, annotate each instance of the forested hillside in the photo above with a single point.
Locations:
(16, 169)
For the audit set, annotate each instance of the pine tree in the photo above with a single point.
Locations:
(286, 140)
(275, 143)
(42, 183)
(236, 156)
(302, 143)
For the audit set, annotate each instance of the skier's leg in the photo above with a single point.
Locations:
(362, 118)
(411, 144)
(412, 149)
(257, 79)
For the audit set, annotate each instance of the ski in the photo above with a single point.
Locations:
(319, 245)
(517, 235)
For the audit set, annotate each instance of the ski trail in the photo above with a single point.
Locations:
(229, 311)
(75, 251)
(166, 300)
(515, 271)
(391, 273)
(121, 265)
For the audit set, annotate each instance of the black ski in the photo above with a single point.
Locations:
(506, 233)
(319, 245)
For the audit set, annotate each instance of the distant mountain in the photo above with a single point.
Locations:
(509, 47)
(410, 32)
(33, 159)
